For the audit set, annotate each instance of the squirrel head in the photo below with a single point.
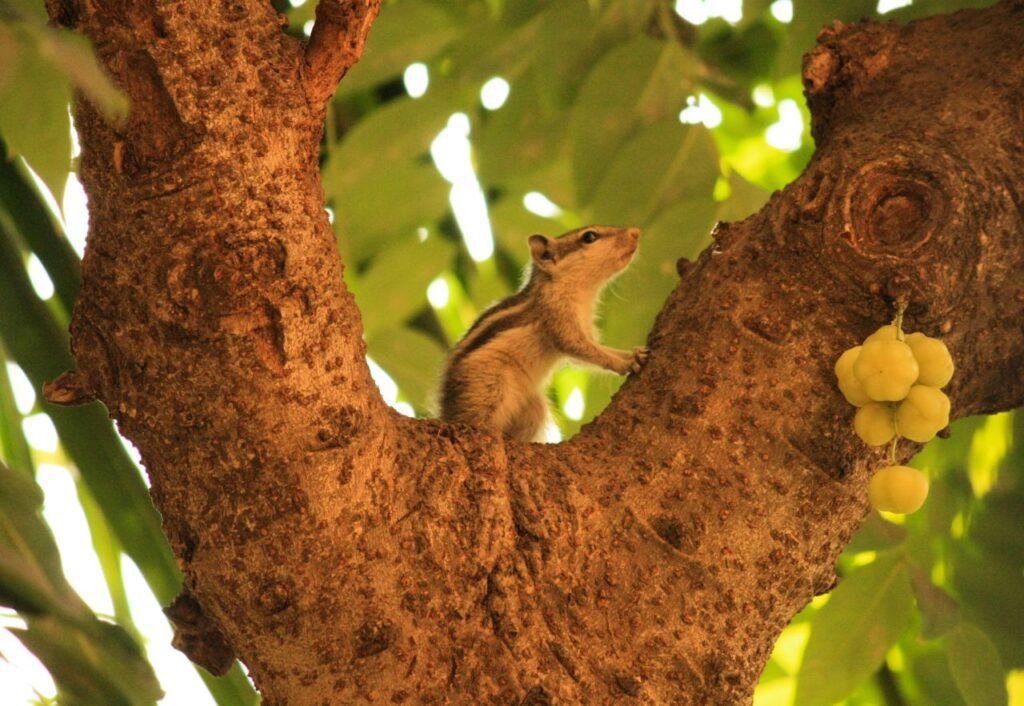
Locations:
(587, 256)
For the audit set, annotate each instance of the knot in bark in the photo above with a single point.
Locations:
(374, 637)
(274, 598)
(894, 210)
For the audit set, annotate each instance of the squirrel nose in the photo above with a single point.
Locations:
(634, 233)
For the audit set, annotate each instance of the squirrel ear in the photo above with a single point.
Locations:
(540, 250)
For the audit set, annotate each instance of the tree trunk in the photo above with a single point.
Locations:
(350, 555)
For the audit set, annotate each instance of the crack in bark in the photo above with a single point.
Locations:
(496, 601)
(563, 659)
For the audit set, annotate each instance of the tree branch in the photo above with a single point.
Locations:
(336, 43)
(342, 550)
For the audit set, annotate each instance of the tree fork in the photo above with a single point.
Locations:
(349, 555)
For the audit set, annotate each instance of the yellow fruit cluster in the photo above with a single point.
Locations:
(888, 369)
(895, 380)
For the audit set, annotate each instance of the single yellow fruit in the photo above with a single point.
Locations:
(933, 360)
(885, 333)
(849, 385)
(886, 370)
(898, 489)
(874, 424)
(924, 412)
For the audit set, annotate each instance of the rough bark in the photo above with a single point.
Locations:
(348, 555)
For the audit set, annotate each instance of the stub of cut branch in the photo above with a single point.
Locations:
(198, 636)
(69, 389)
(336, 43)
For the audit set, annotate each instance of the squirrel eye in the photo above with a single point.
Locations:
(589, 237)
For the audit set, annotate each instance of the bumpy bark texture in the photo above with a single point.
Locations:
(348, 555)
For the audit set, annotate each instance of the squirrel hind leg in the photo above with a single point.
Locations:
(527, 424)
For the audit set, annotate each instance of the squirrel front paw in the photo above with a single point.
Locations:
(639, 357)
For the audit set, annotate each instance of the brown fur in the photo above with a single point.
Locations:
(495, 376)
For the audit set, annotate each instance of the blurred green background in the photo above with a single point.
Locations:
(467, 126)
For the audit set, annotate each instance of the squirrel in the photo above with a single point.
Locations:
(495, 375)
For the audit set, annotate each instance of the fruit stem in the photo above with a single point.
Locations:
(892, 450)
(898, 321)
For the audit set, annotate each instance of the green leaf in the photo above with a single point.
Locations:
(22, 204)
(745, 54)
(988, 571)
(108, 552)
(555, 182)
(600, 389)
(22, 586)
(636, 84)
(388, 207)
(28, 9)
(95, 664)
(622, 19)
(404, 33)
(18, 492)
(948, 455)
(381, 180)
(744, 199)
(657, 167)
(232, 689)
(34, 119)
(939, 612)
(13, 445)
(754, 10)
(484, 286)
(413, 359)
(930, 670)
(73, 54)
(488, 47)
(851, 634)
(31, 578)
(299, 16)
(46, 49)
(513, 224)
(567, 43)
(10, 50)
(927, 8)
(395, 286)
(91, 661)
(876, 533)
(975, 666)
(521, 137)
(400, 131)
(683, 229)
